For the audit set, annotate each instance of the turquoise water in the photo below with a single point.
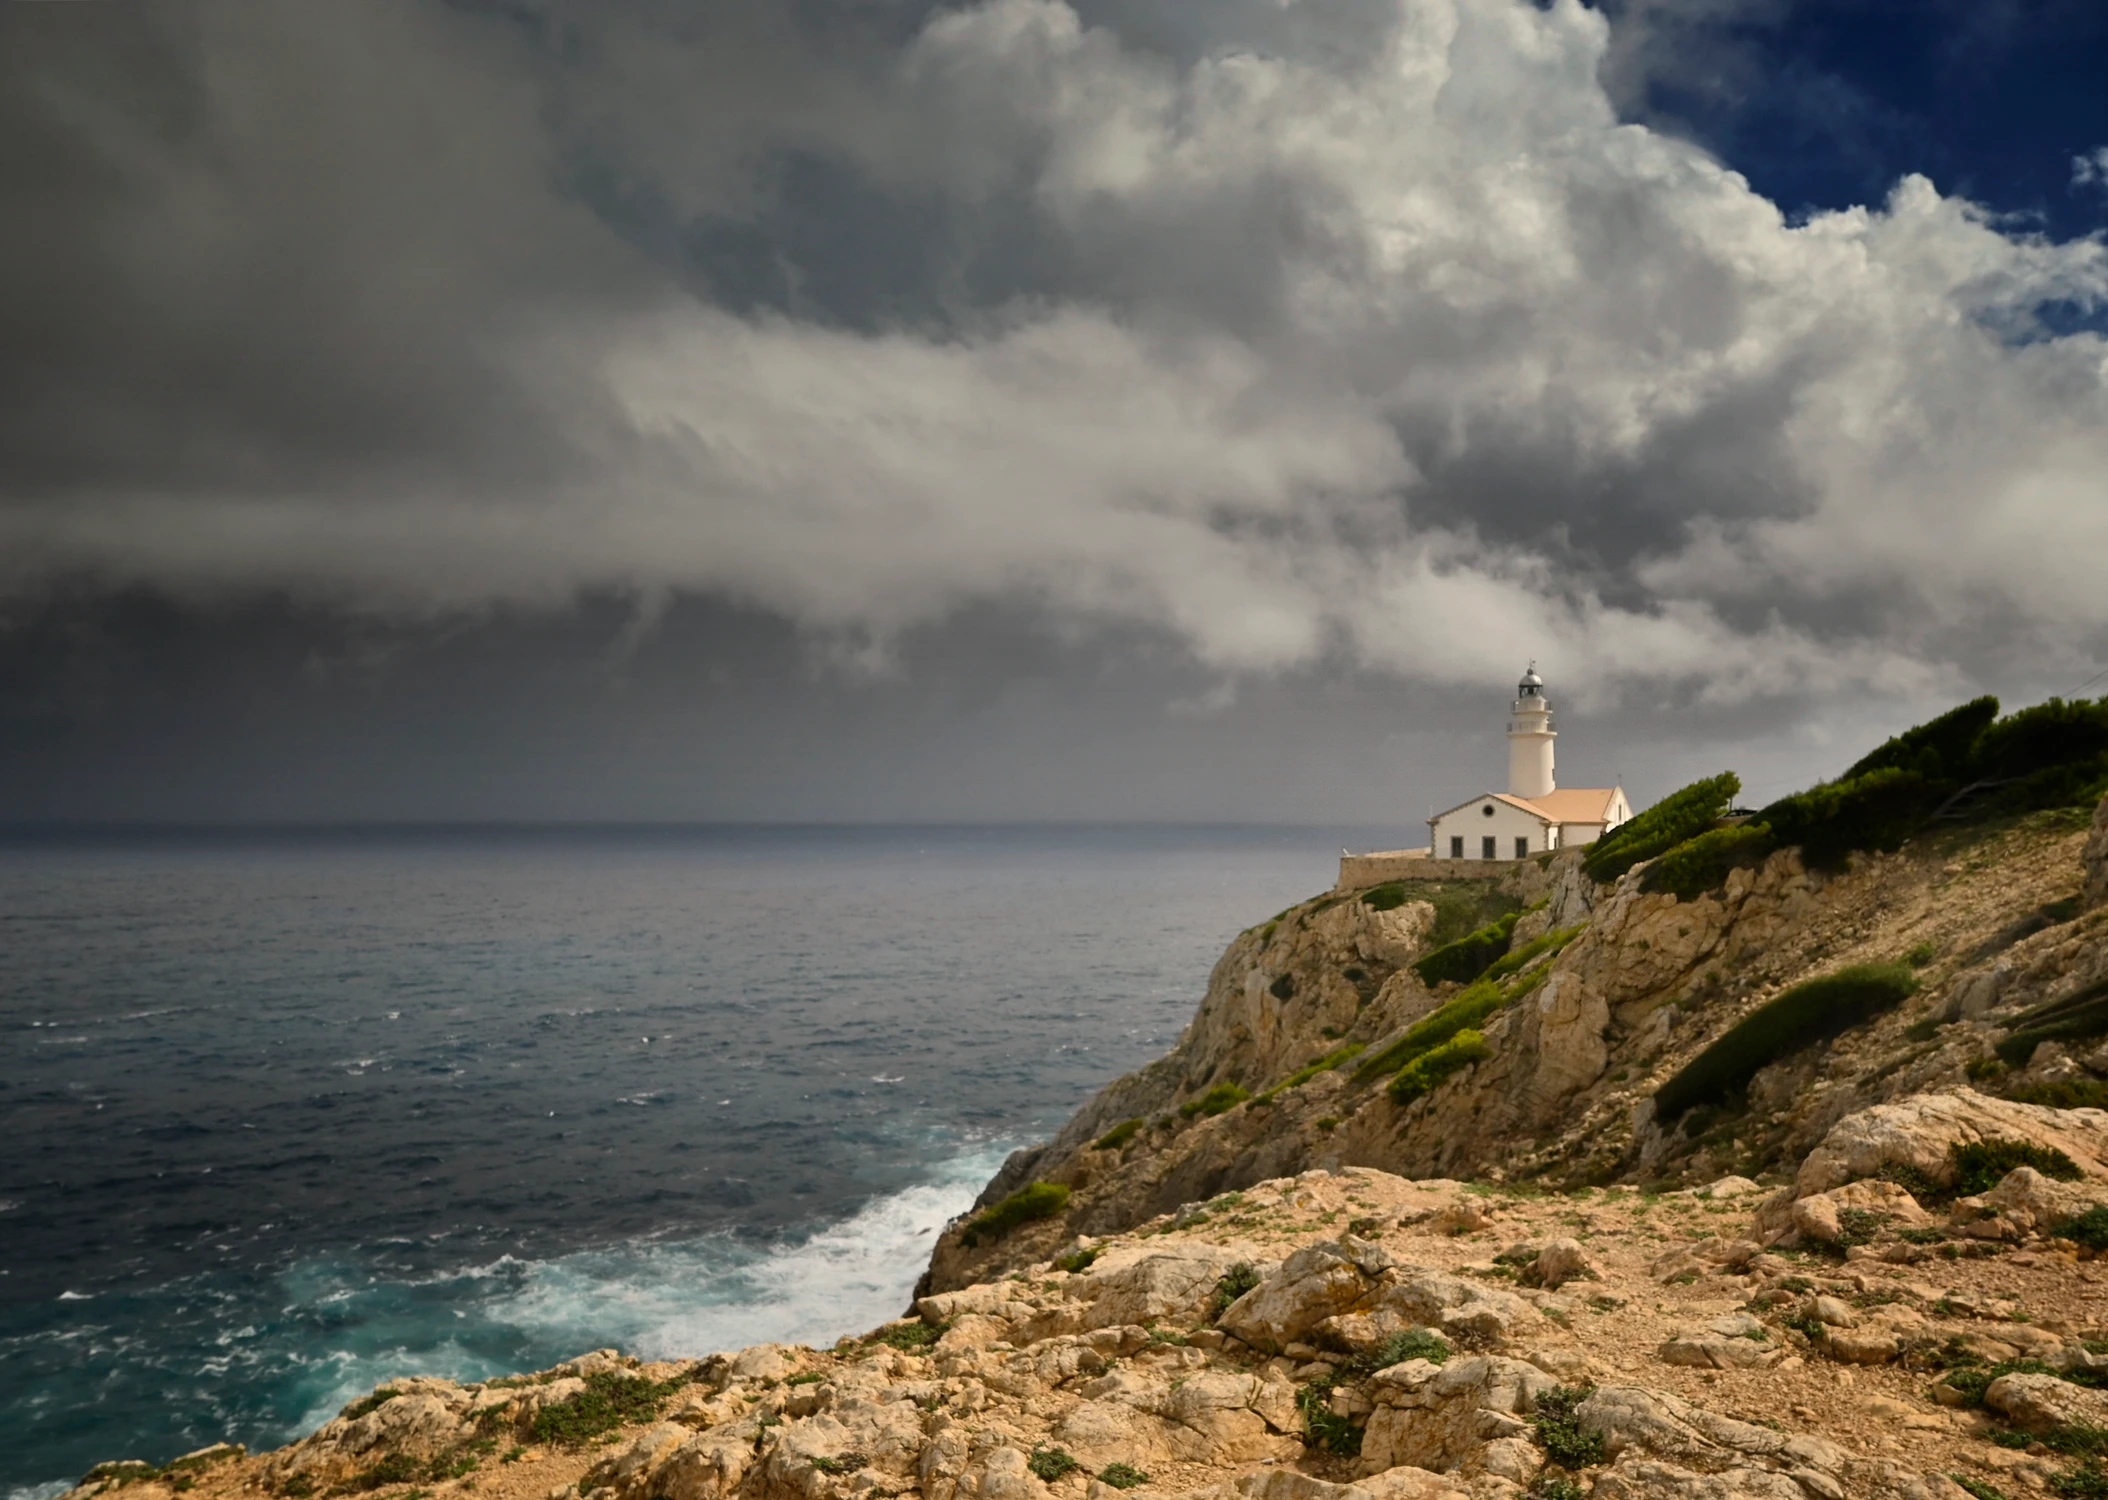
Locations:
(288, 1115)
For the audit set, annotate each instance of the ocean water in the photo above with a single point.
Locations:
(285, 1115)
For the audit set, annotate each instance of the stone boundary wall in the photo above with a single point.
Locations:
(1360, 871)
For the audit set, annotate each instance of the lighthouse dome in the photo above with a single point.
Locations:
(1531, 686)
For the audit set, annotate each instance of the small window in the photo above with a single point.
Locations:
(1490, 847)
(1487, 809)
(1456, 846)
(1522, 847)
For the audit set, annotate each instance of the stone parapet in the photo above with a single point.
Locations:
(1360, 871)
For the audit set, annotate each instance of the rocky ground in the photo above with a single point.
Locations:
(1261, 1302)
(1335, 1332)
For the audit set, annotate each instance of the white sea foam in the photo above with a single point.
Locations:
(667, 1299)
(40, 1491)
(675, 1300)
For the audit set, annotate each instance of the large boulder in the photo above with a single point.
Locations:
(1316, 1283)
(1918, 1132)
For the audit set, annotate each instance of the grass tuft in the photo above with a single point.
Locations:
(1035, 1200)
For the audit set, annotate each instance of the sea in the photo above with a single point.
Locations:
(285, 1113)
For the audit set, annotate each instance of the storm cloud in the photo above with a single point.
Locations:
(1337, 337)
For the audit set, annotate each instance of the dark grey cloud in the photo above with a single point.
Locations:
(1216, 354)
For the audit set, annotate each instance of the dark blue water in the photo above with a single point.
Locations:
(287, 1115)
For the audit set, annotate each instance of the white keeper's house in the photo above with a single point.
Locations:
(1535, 813)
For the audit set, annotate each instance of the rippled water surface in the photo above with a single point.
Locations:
(286, 1115)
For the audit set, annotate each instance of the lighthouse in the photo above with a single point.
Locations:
(1530, 737)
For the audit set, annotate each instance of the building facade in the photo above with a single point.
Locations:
(1535, 815)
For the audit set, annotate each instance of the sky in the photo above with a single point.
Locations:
(1031, 409)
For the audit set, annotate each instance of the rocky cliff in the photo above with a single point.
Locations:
(1792, 1189)
(1625, 989)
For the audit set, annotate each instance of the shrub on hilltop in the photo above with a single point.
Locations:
(1681, 815)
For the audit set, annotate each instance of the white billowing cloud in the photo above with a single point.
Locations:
(2090, 169)
(1415, 357)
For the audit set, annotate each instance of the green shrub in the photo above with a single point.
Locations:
(1322, 1426)
(1075, 1261)
(1560, 1433)
(1050, 1464)
(1980, 1166)
(1118, 1136)
(1464, 1009)
(1701, 864)
(1233, 1283)
(1681, 815)
(1922, 954)
(1386, 897)
(1414, 1343)
(1977, 1489)
(1521, 958)
(1554, 1487)
(1876, 811)
(1470, 955)
(1423, 1073)
(1337, 1057)
(368, 1403)
(610, 1400)
(909, 1337)
(2063, 1093)
(1938, 748)
(1035, 1200)
(2087, 1482)
(1807, 1013)
(2047, 737)
(1222, 1097)
(2073, 1017)
(1123, 1476)
(2089, 1228)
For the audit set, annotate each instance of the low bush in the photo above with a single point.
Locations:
(1051, 1464)
(1980, 1166)
(1464, 1009)
(610, 1400)
(1217, 1100)
(1423, 1073)
(1232, 1284)
(1123, 1476)
(1118, 1136)
(1322, 1426)
(1938, 748)
(2089, 1228)
(1806, 1014)
(1035, 1200)
(1560, 1433)
(1702, 864)
(1518, 959)
(1681, 815)
(909, 1337)
(1831, 822)
(1337, 1057)
(2073, 1017)
(1075, 1262)
(1922, 954)
(1414, 1343)
(2063, 1093)
(1470, 955)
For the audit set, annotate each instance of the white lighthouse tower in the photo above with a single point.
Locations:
(1530, 736)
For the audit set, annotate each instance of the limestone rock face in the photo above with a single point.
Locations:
(2095, 859)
